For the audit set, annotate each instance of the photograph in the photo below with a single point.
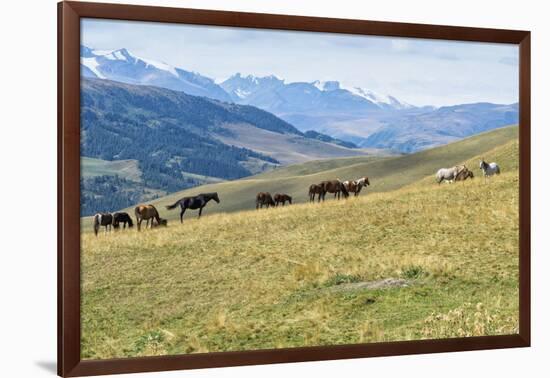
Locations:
(246, 189)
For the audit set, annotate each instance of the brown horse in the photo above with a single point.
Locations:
(313, 190)
(146, 213)
(282, 198)
(464, 174)
(333, 186)
(355, 186)
(264, 198)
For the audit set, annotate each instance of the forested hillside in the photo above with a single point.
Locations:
(174, 137)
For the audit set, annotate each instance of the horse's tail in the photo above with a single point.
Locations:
(343, 189)
(96, 223)
(173, 206)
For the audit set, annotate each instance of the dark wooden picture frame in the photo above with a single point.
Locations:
(69, 290)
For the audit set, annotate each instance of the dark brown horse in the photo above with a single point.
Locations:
(464, 174)
(123, 218)
(102, 219)
(194, 203)
(146, 213)
(282, 198)
(333, 186)
(264, 198)
(313, 190)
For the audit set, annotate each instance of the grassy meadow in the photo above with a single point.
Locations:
(412, 260)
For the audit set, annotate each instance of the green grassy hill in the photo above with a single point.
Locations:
(126, 169)
(385, 173)
(422, 261)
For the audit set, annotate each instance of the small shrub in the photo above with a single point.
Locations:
(413, 272)
(339, 279)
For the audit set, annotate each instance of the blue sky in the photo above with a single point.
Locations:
(420, 72)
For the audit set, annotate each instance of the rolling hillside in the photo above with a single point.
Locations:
(385, 173)
(127, 169)
(418, 262)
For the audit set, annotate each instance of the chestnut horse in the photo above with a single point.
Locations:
(146, 213)
(355, 186)
(278, 198)
(464, 174)
(333, 186)
(264, 198)
(313, 190)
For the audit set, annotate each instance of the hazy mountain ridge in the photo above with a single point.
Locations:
(348, 113)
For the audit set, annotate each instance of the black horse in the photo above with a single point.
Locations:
(194, 203)
(123, 218)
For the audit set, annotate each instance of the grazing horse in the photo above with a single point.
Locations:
(489, 169)
(448, 174)
(264, 198)
(194, 203)
(123, 218)
(146, 213)
(278, 198)
(313, 190)
(333, 186)
(355, 186)
(102, 219)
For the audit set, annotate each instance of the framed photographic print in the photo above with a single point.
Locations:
(239, 188)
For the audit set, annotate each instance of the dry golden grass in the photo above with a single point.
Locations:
(258, 279)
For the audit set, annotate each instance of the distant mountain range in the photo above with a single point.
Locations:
(352, 114)
(276, 96)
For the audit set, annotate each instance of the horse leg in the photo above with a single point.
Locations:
(181, 214)
(200, 211)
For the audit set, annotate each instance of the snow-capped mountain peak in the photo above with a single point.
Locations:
(379, 99)
(125, 56)
(122, 65)
(326, 86)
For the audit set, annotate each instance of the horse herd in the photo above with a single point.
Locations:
(462, 173)
(149, 213)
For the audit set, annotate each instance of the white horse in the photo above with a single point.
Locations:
(489, 169)
(448, 174)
